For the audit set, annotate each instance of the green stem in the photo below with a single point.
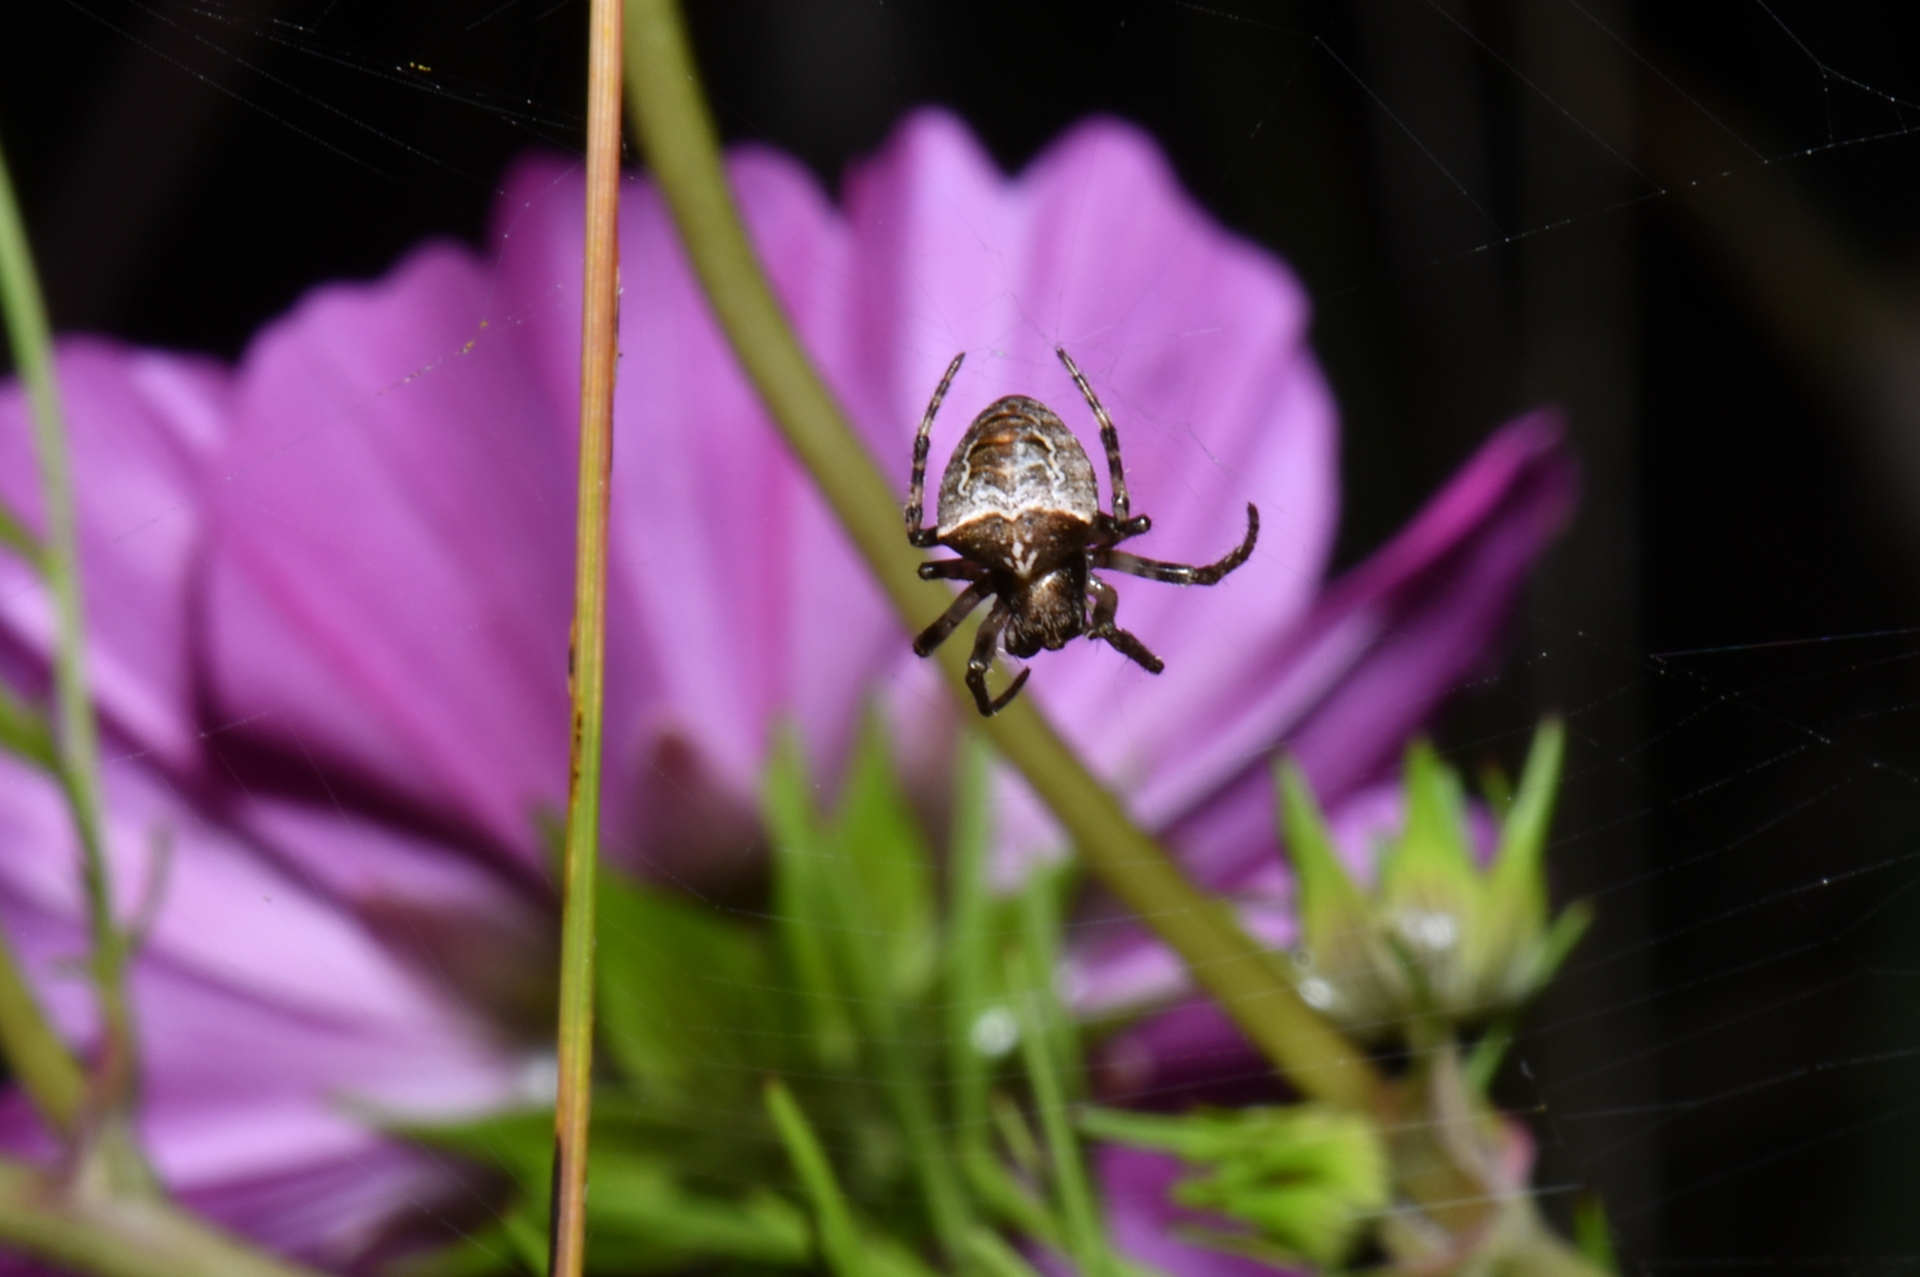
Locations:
(599, 357)
(680, 144)
(75, 742)
(120, 1237)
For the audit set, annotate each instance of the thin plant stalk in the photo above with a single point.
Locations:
(587, 658)
(47, 1074)
(678, 138)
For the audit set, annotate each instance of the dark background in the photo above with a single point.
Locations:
(1692, 224)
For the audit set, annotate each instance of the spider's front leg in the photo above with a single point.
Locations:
(917, 491)
(952, 570)
(1106, 603)
(1182, 573)
(936, 634)
(1117, 526)
(985, 643)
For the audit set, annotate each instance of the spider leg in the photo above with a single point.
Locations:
(1181, 573)
(1123, 527)
(952, 570)
(916, 495)
(985, 643)
(1106, 603)
(936, 634)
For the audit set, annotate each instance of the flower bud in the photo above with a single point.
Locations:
(1438, 934)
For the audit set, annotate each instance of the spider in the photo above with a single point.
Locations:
(1020, 505)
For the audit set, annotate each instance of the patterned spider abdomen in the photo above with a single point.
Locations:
(1019, 494)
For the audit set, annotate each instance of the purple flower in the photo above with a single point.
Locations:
(329, 591)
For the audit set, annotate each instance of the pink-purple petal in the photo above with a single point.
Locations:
(142, 427)
(390, 588)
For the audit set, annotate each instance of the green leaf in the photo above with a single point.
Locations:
(804, 905)
(1077, 1204)
(972, 944)
(685, 1007)
(518, 1142)
(840, 1240)
(886, 870)
(640, 1217)
(645, 1212)
(24, 732)
(995, 1258)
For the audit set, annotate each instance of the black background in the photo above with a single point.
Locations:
(1730, 1061)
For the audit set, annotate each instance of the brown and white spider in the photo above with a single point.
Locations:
(1020, 505)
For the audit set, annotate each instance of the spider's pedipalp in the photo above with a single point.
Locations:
(1106, 604)
(1182, 573)
(986, 644)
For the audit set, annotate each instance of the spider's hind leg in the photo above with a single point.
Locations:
(1106, 604)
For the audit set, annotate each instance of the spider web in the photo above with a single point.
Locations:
(1688, 224)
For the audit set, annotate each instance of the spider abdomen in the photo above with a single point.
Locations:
(1017, 460)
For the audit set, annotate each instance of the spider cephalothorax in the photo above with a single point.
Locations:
(1020, 505)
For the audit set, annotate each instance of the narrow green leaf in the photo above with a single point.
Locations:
(640, 1217)
(878, 884)
(990, 1252)
(1007, 1199)
(24, 732)
(839, 1237)
(803, 904)
(971, 943)
(1078, 1206)
(886, 873)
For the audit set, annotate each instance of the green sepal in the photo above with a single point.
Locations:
(1344, 967)
(1516, 894)
(1304, 1178)
(1430, 885)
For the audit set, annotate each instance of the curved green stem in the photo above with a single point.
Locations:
(46, 1216)
(76, 747)
(680, 144)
